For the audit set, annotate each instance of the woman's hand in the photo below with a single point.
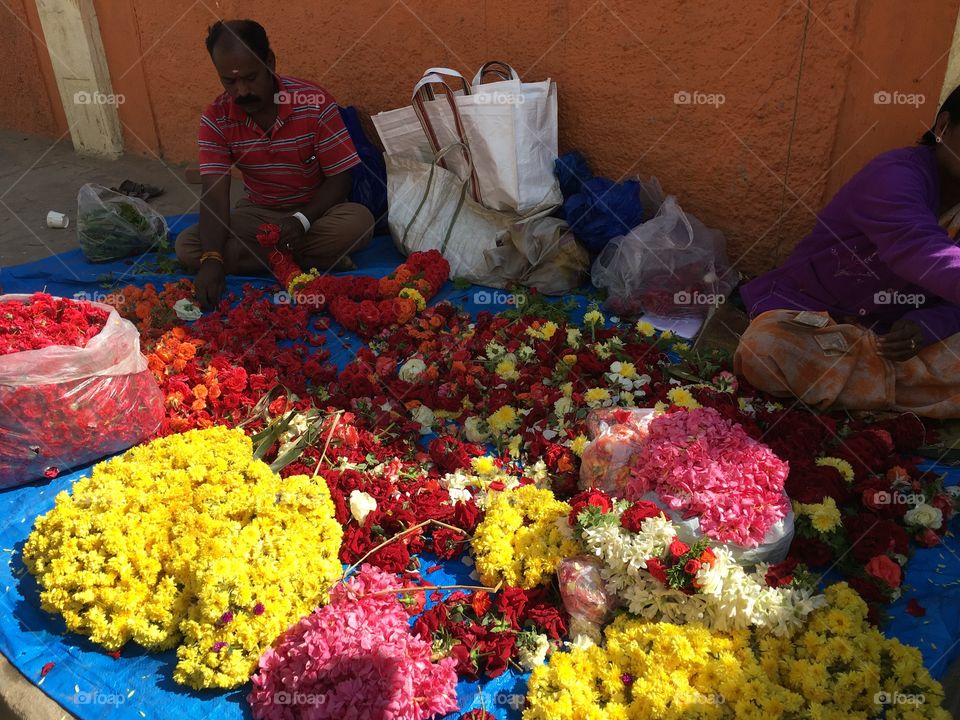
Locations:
(902, 342)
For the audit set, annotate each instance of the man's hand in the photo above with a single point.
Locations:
(902, 342)
(210, 284)
(291, 231)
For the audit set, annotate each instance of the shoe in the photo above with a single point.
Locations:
(138, 190)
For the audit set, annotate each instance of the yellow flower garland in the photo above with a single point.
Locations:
(838, 667)
(519, 541)
(188, 541)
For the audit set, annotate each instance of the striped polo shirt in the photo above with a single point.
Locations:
(286, 164)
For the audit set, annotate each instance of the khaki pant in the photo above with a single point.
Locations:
(343, 229)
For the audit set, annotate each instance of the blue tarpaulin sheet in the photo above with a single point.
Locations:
(92, 685)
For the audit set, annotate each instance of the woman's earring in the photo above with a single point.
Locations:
(939, 139)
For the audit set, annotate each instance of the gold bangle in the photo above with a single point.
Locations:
(212, 255)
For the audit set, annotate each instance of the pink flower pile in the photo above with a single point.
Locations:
(704, 466)
(354, 659)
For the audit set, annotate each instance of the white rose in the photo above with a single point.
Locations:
(562, 406)
(411, 369)
(361, 505)
(425, 417)
(925, 516)
(473, 431)
(537, 655)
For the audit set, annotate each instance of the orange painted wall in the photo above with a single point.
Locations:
(31, 100)
(797, 76)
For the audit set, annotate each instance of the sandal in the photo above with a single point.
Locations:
(138, 190)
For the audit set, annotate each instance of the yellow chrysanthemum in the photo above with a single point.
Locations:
(507, 369)
(484, 465)
(682, 397)
(502, 420)
(545, 331)
(824, 516)
(646, 328)
(188, 541)
(414, 295)
(578, 444)
(651, 670)
(595, 396)
(593, 318)
(842, 466)
(519, 543)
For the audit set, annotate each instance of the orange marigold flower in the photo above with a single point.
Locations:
(186, 350)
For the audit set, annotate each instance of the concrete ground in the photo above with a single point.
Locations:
(37, 175)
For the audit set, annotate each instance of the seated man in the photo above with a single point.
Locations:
(290, 144)
(879, 275)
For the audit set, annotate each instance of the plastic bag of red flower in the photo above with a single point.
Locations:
(617, 434)
(583, 589)
(69, 398)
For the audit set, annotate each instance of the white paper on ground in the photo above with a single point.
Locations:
(685, 327)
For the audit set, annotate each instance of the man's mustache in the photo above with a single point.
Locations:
(247, 100)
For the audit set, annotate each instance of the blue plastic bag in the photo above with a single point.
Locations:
(603, 210)
(370, 176)
(572, 171)
(597, 209)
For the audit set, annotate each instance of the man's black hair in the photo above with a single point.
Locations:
(950, 105)
(248, 32)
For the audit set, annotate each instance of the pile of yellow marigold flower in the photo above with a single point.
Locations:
(520, 542)
(188, 541)
(837, 668)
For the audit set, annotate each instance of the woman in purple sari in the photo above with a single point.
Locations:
(879, 279)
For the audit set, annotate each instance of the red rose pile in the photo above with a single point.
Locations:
(43, 320)
(483, 633)
(68, 400)
(382, 489)
(216, 371)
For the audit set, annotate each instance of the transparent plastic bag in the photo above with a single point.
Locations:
(617, 434)
(584, 593)
(111, 225)
(773, 549)
(670, 265)
(65, 406)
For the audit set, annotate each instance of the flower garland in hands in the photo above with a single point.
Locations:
(364, 305)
